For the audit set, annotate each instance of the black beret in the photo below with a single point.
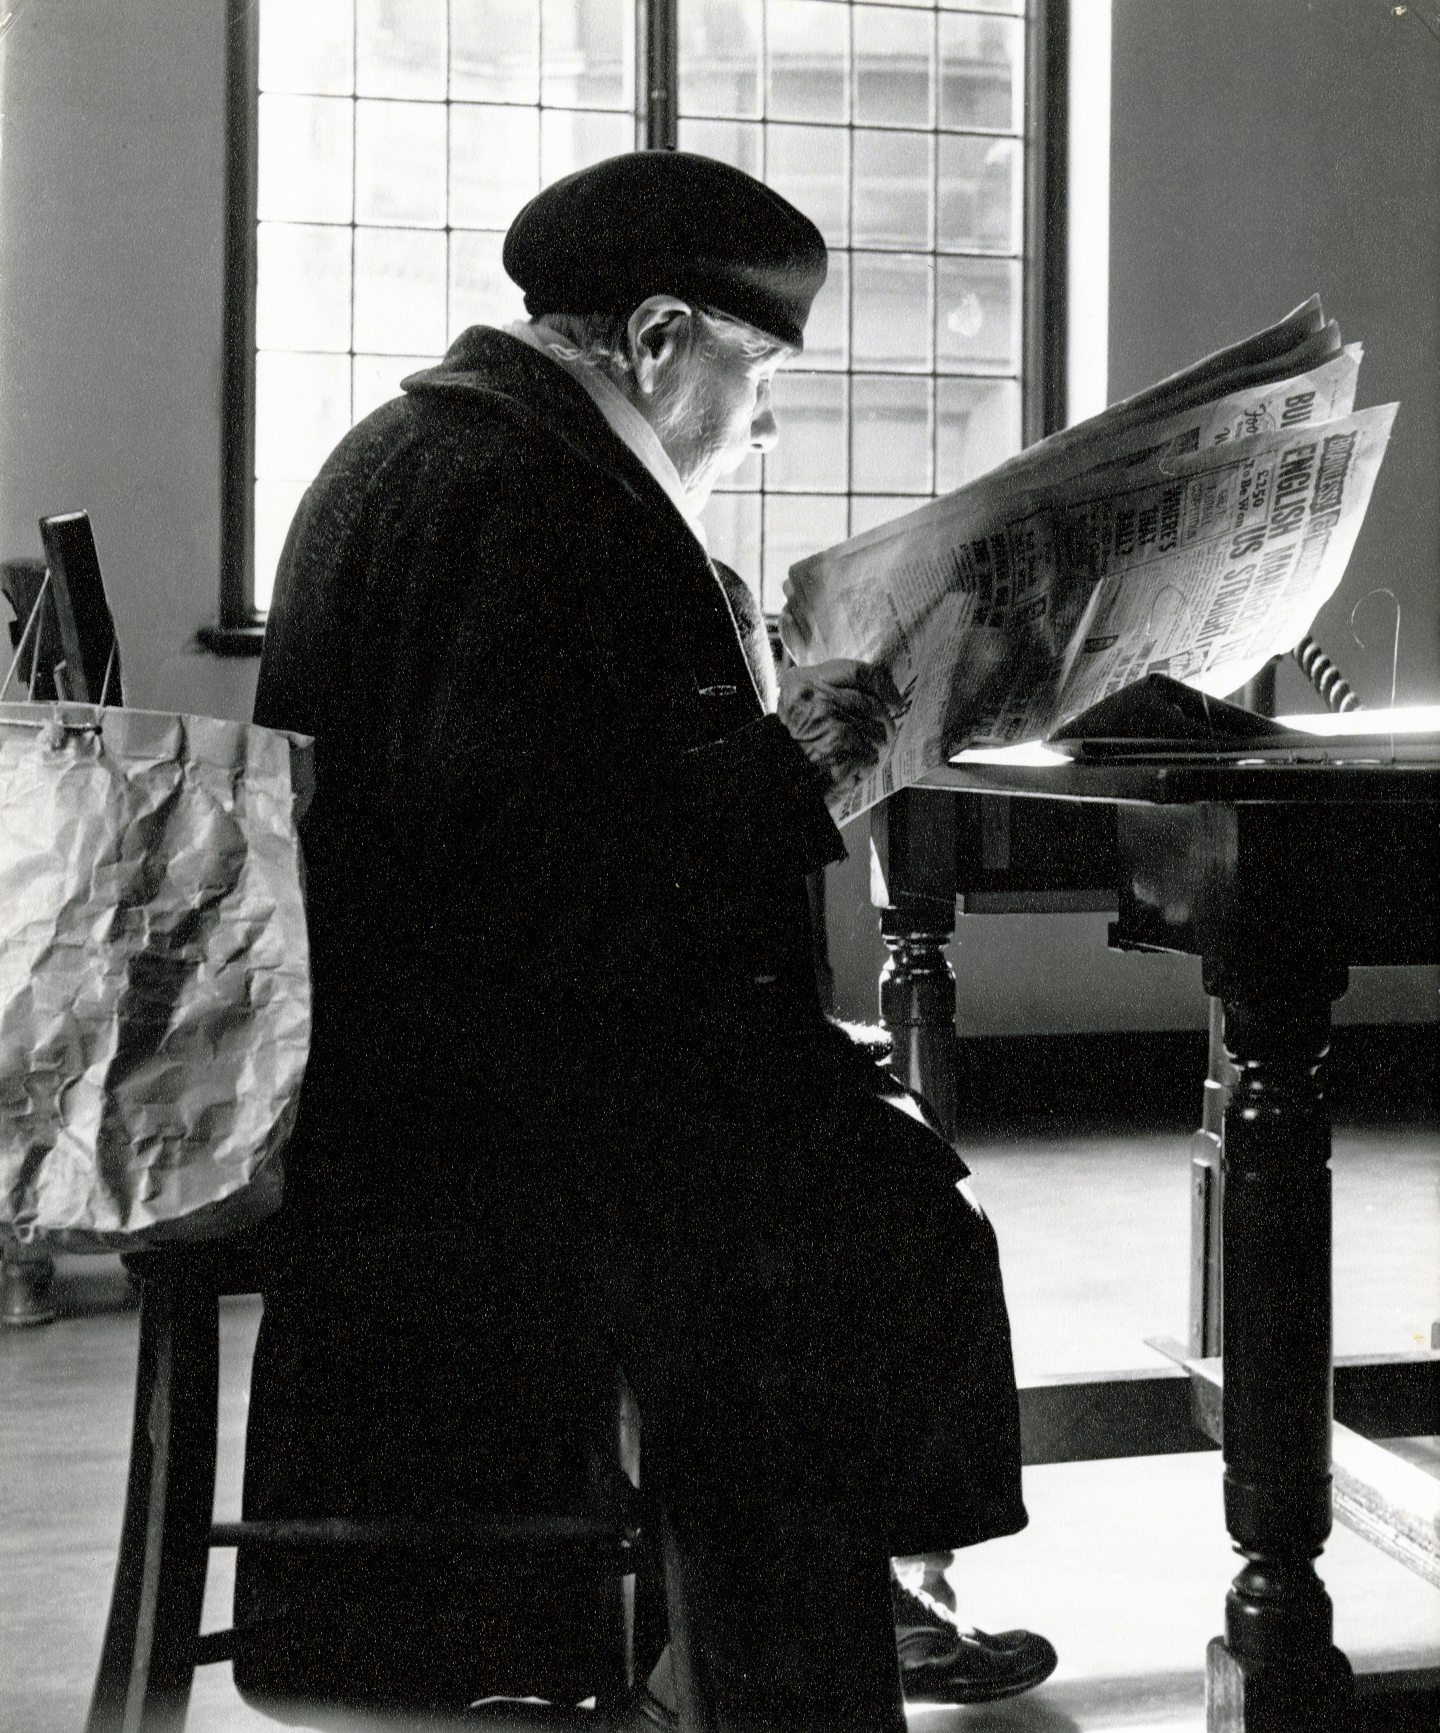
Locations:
(667, 222)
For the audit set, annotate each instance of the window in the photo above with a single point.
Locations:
(381, 147)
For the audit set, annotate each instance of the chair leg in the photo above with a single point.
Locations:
(147, 1659)
(26, 1280)
(616, 1597)
(616, 1611)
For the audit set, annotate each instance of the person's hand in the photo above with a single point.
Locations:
(842, 714)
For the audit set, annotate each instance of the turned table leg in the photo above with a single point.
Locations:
(1276, 1670)
(917, 1004)
(1205, 1193)
(913, 884)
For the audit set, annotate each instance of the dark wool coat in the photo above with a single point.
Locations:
(544, 778)
(564, 998)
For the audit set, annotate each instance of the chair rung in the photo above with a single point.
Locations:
(214, 1646)
(556, 1533)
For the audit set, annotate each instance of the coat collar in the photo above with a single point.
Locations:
(515, 379)
(624, 420)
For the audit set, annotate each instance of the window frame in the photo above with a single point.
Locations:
(1043, 258)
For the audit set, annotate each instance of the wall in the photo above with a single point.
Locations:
(1260, 150)
(112, 174)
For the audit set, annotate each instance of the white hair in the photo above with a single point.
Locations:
(601, 340)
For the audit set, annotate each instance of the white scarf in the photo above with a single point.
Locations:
(625, 420)
(634, 431)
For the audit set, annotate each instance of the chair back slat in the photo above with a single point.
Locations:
(88, 645)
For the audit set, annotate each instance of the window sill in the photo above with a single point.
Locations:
(231, 640)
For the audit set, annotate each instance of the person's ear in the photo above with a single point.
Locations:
(656, 332)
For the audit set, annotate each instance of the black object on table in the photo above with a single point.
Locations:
(88, 646)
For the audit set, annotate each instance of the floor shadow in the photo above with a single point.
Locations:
(1029, 1714)
(1071, 1705)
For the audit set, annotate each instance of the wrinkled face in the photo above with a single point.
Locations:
(718, 408)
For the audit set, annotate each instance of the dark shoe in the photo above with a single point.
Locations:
(940, 1663)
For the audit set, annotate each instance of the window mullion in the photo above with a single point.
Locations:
(237, 436)
(1046, 132)
(658, 82)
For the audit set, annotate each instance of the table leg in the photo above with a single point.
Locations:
(912, 882)
(1205, 1192)
(917, 1004)
(1276, 1670)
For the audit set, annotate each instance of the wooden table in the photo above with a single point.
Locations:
(1280, 876)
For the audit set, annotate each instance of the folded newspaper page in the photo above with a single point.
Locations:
(1193, 530)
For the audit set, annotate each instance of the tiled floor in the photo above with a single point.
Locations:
(1124, 1565)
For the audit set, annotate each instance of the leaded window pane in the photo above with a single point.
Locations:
(982, 193)
(304, 287)
(400, 164)
(795, 525)
(495, 50)
(894, 68)
(308, 46)
(807, 61)
(827, 331)
(720, 57)
(977, 426)
(982, 72)
(812, 455)
(302, 408)
(732, 522)
(892, 434)
(399, 291)
(587, 54)
(890, 323)
(810, 166)
(480, 292)
(275, 505)
(894, 189)
(400, 48)
(494, 163)
(741, 143)
(375, 379)
(572, 139)
(306, 157)
(977, 316)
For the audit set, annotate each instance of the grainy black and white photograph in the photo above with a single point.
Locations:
(719, 868)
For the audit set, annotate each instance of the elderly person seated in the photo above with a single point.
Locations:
(564, 988)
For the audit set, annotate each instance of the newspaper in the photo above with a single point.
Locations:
(1194, 529)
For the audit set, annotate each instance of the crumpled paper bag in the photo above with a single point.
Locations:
(154, 973)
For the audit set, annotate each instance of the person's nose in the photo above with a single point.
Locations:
(764, 432)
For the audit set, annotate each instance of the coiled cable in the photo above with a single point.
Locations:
(1324, 676)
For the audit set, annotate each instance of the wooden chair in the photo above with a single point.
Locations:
(153, 1641)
